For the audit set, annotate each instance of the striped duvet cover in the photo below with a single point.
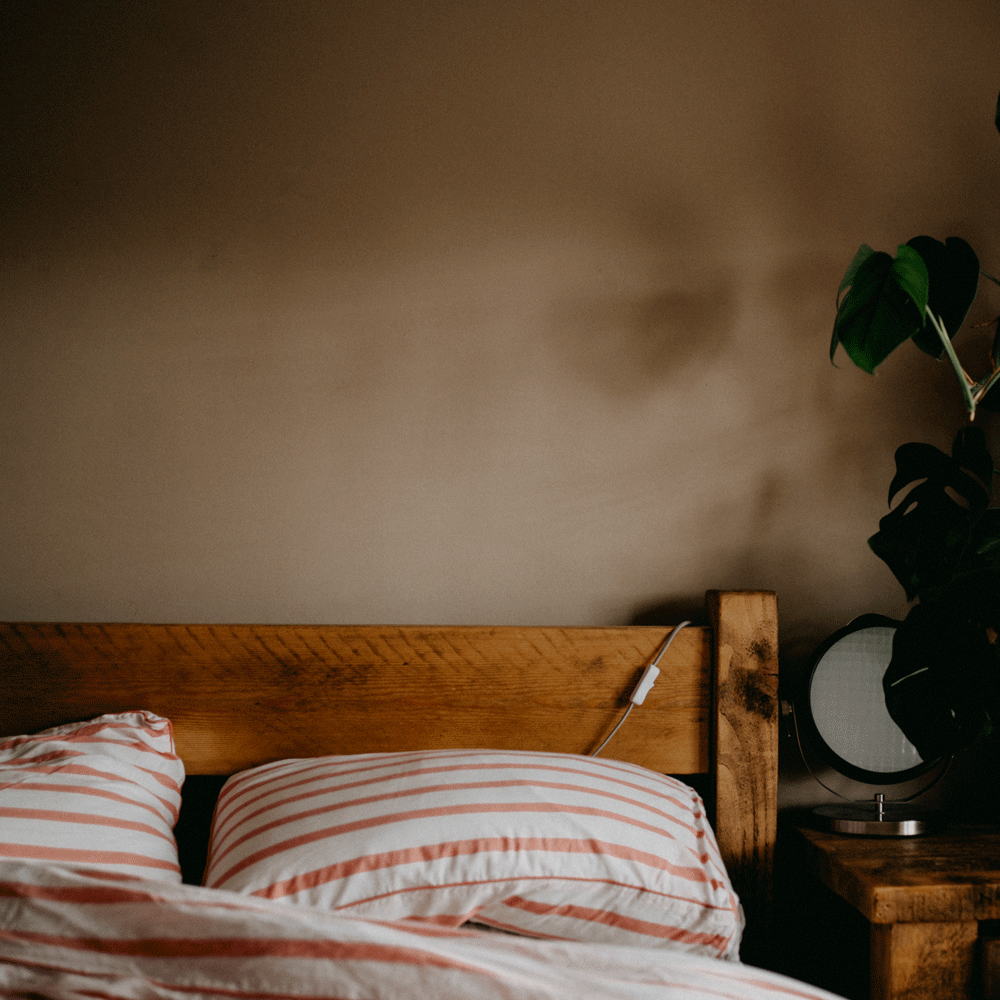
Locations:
(70, 934)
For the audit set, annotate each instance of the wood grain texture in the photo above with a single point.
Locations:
(990, 964)
(953, 876)
(240, 695)
(745, 752)
(923, 961)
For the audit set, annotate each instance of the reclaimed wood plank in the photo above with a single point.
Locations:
(240, 695)
(923, 961)
(949, 876)
(745, 752)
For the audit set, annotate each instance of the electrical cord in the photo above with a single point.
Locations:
(646, 682)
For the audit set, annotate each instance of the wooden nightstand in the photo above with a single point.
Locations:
(928, 901)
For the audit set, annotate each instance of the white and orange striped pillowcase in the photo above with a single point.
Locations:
(101, 794)
(546, 845)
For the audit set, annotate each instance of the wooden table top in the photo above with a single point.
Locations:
(946, 877)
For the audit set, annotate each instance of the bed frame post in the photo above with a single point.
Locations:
(744, 751)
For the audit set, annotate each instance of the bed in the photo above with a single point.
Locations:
(255, 723)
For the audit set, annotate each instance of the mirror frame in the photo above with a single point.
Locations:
(815, 739)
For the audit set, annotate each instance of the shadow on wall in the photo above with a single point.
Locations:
(630, 346)
(460, 312)
(671, 611)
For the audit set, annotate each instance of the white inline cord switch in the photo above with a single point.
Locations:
(645, 684)
(651, 672)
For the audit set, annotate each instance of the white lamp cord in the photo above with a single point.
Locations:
(641, 689)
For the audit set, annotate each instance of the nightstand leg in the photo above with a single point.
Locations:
(923, 961)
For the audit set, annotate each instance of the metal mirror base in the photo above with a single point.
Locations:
(880, 819)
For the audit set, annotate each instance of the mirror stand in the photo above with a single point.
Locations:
(842, 725)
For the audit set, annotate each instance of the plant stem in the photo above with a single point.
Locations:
(960, 373)
(986, 274)
(985, 387)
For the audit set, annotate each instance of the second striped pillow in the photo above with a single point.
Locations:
(547, 845)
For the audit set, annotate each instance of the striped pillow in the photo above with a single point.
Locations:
(102, 794)
(546, 845)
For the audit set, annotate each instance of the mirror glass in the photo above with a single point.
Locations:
(848, 705)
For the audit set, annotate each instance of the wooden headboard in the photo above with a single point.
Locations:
(241, 695)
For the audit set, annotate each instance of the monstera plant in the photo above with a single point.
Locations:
(942, 538)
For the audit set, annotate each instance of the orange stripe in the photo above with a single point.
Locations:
(548, 879)
(160, 778)
(734, 971)
(274, 787)
(322, 765)
(574, 881)
(74, 744)
(160, 727)
(92, 772)
(246, 947)
(437, 789)
(617, 920)
(456, 809)
(85, 819)
(101, 793)
(226, 811)
(84, 857)
(451, 921)
(518, 929)
(137, 746)
(593, 770)
(43, 758)
(452, 849)
(90, 736)
(527, 782)
(117, 894)
(78, 895)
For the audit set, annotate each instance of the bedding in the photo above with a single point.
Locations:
(541, 844)
(104, 794)
(70, 934)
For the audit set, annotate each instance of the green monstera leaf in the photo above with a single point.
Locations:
(976, 587)
(922, 294)
(953, 280)
(942, 542)
(942, 685)
(884, 305)
(940, 532)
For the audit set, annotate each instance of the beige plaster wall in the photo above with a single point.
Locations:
(467, 312)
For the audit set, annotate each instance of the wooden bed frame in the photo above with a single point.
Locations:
(241, 695)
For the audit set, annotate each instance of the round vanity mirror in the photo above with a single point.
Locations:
(843, 721)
